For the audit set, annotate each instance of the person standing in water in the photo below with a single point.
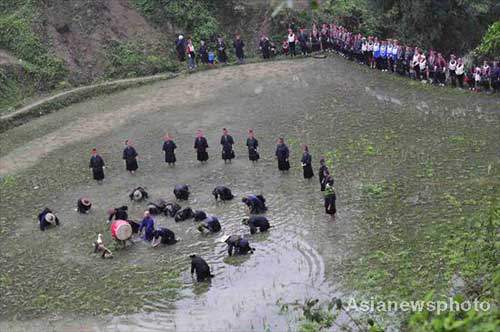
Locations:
(227, 146)
(148, 224)
(201, 146)
(324, 173)
(169, 148)
(130, 157)
(97, 166)
(282, 154)
(307, 163)
(252, 144)
(330, 197)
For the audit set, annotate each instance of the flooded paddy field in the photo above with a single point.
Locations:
(410, 164)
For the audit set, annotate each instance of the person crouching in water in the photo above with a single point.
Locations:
(164, 236)
(46, 219)
(211, 223)
(256, 203)
(330, 197)
(138, 194)
(169, 148)
(237, 245)
(200, 266)
(83, 205)
(227, 142)
(282, 154)
(255, 222)
(222, 192)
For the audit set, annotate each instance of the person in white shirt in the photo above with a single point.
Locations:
(291, 42)
(452, 67)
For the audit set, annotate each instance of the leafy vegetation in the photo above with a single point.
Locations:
(130, 59)
(490, 44)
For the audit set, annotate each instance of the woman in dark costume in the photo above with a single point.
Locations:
(227, 146)
(282, 154)
(252, 144)
(96, 165)
(130, 157)
(324, 173)
(169, 148)
(307, 163)
(330, 197)
(201, 145)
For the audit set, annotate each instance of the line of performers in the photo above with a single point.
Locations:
(282, 154)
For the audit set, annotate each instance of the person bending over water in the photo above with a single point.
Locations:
(138, 194)
(118, 213)
(164, 236)
(200, 266)
(257, 222)
(256, 203)
(181, 191)
(211, 223)
(224, 193)
(237, 245)
(46, 219)
(83, 205)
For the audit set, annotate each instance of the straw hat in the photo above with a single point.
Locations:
(86, 201)
(50, 218)
(137, 195)
(224, 238)
(124, 231)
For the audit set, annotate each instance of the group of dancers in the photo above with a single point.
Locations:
(122, 228)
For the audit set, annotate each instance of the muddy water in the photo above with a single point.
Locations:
(371, 127)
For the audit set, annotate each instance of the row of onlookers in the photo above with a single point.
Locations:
(386, 55)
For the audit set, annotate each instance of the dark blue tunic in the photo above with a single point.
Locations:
(169, 148)
(201, 145)
(252, 144)
(282, 153)
(259, 222)
(227, 147)
(130, 157)
(97, 164)
(307, 165)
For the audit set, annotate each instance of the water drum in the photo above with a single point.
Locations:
(121, 230)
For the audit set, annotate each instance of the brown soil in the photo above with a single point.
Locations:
(78, 31)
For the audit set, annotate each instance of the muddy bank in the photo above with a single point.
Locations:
(381, 135)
